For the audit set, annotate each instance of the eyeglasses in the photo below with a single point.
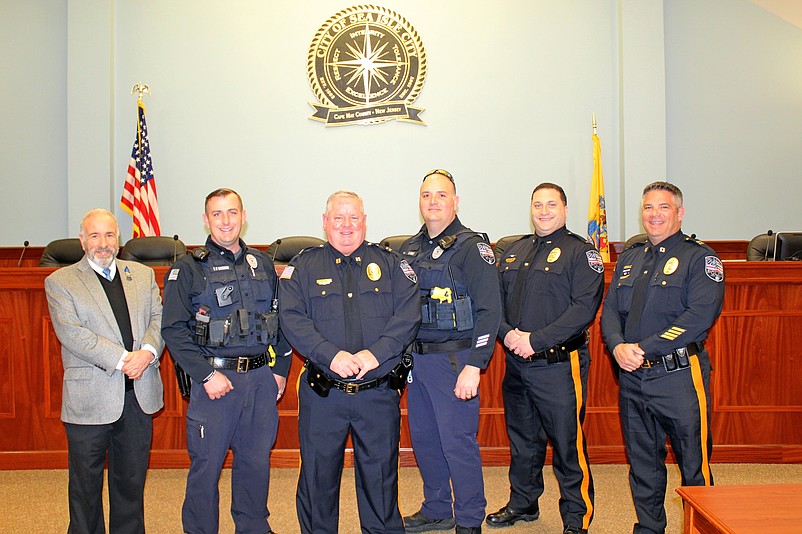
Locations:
(442, 172)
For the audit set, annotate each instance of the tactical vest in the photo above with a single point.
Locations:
(237, 306)
(445, 302)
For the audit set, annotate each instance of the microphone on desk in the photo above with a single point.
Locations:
(768, 240)
(24, 246)
(175, 246)
(275, 250)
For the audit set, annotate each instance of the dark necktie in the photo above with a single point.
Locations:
(353, 320)
(632, 328)
(514, 313)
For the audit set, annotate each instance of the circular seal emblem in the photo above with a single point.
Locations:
(374, 272)
(671, 266)
(554, 254)
(437, 252)
(366, 65)
(251, 261)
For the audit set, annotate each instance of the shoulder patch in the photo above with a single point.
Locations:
(408, 271)
(486, 252)
(714, 269)
(595, 260)
(286, 274)
(173, 274)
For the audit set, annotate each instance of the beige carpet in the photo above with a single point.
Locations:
(36, 501)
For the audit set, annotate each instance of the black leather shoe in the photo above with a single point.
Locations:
(574, 530)
(507, 517)
(469, 530)
(418, 522)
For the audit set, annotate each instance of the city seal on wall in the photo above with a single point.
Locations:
(366, 65)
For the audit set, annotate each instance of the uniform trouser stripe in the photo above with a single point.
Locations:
(699, 387)
(580, 440)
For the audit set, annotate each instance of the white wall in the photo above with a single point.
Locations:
(509, 95)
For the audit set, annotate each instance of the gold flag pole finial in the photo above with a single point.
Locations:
(594, 123)
(140, 88)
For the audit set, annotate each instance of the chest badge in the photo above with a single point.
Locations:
(374, 272)
(671, 266)
(437, 252)
(554, 255)
(251, 259)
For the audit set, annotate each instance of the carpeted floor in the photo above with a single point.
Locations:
(36, 501)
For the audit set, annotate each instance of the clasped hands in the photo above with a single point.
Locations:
(346, 365)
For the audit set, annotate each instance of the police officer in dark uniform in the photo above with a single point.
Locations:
(551, 286)
(350, 308)
(664, 296)
(461, 310)
(220, 323)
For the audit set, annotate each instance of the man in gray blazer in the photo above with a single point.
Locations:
(107, 316)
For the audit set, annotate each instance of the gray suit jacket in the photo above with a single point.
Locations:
(91, 343)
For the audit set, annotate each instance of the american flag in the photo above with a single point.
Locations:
(139, 194)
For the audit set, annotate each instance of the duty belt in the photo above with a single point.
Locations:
(350, 388)
(561, 352)
(419, 347)
(242, 364)
(692, 349)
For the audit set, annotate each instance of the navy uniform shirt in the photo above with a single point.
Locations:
(311, 300)
(185, 280)
(683, 299)
(564, 287)
(481, 279)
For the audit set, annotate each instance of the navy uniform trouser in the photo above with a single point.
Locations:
(127, 443)
(655, 404)
(244, 420)
(545, 403)
(443, 431)
(373, 419)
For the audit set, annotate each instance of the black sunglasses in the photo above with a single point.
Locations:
(442, 172)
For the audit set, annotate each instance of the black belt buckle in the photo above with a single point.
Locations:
(351, 389)
(243, 364)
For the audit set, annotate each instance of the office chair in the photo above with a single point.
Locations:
(153, 250)
(284, 249)
(760, 248)
(62, 252)
(503, 243)
(637, 238)
(394, 242)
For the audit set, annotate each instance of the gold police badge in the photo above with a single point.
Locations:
(366, 65)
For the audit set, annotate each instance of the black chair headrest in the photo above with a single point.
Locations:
(394, 241)
(503, 243)
(153, 250)
(284, 249)
(760, 248)
(62, 252)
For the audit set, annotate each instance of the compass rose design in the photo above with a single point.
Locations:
(367, 65)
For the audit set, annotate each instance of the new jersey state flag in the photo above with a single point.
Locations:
(597, 212)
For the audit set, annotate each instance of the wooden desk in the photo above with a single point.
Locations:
(742, 509)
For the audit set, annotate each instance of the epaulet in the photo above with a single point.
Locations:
(577, 236)
(200, 253)
(698, 242)
(310, 248)
(384, 248)
(637, 244)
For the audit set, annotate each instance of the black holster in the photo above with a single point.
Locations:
(184, 381)
(397, 377)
